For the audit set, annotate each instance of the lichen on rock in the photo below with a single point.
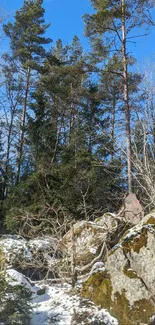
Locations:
(126, 286)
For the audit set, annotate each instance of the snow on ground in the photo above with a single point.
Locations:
(57, 307)
(15, 246)
(14, 278)
(51, 304)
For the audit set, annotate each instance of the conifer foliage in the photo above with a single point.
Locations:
(26, 44)
(65, 115)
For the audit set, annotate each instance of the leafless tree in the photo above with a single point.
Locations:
(143, 144)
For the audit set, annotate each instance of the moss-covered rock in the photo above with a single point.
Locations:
(135, 243)
(126, 287)
(99, 289)
(149, 218)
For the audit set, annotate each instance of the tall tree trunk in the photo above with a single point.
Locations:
(22, 125)
(154, 138)
(8, 153)
(113, 122)
(54, 121)
(126, 98)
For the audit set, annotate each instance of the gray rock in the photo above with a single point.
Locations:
(133, 211)
(87, 238)
(126, 286)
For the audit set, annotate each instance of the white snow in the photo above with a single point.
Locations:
(17, 249)
(57, 305)
(51, 303)
(135, 231)
(98, 266)
(13, 247)
(92, 250)
(14, 278)
(43, 244)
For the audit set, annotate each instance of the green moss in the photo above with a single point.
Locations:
(97, 219)
(98, 288)
(135, 243)
(107, 214)
(129, 273)
(139, 313)
(151, 221)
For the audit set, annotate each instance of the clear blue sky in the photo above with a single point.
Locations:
(66, 21)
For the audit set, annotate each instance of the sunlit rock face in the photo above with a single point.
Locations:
(88, 237)
(126, 284)
(133, 211)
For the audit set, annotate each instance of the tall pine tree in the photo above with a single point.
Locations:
(26, 35)
(109, 28)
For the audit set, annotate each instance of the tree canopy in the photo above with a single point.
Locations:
(74, 136)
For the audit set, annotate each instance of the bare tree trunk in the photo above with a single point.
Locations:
(8, 154)
(73, 260)
(54, 121)
(126, 98)
(113, 123)
(9, 125)
(22, 125)
(154, 138)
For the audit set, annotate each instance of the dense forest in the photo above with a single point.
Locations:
(77, 129)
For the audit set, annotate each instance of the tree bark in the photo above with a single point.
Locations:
(113, 122)
(126, 99)
(22, 125)
(8, 154)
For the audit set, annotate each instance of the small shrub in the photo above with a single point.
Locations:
(15, 307)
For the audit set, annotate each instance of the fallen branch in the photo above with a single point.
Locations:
(89, 265)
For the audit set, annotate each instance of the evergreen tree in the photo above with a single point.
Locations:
(68, 165)
(26, 43)
(111, 24)
(15, 301)
(69, 140)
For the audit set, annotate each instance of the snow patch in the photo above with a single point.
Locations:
(57, 306)
(15, 278)
(93, 250)
(14, 247)
(98, 266)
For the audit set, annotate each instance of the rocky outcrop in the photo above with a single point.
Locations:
(47, 256)
(88, 237)
(125, 285)
(132, 211)
(122, 276)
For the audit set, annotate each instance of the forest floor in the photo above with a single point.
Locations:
(57, 305)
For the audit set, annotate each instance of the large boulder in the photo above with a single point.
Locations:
(87, 238)
(132, 211)
(125, 285)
